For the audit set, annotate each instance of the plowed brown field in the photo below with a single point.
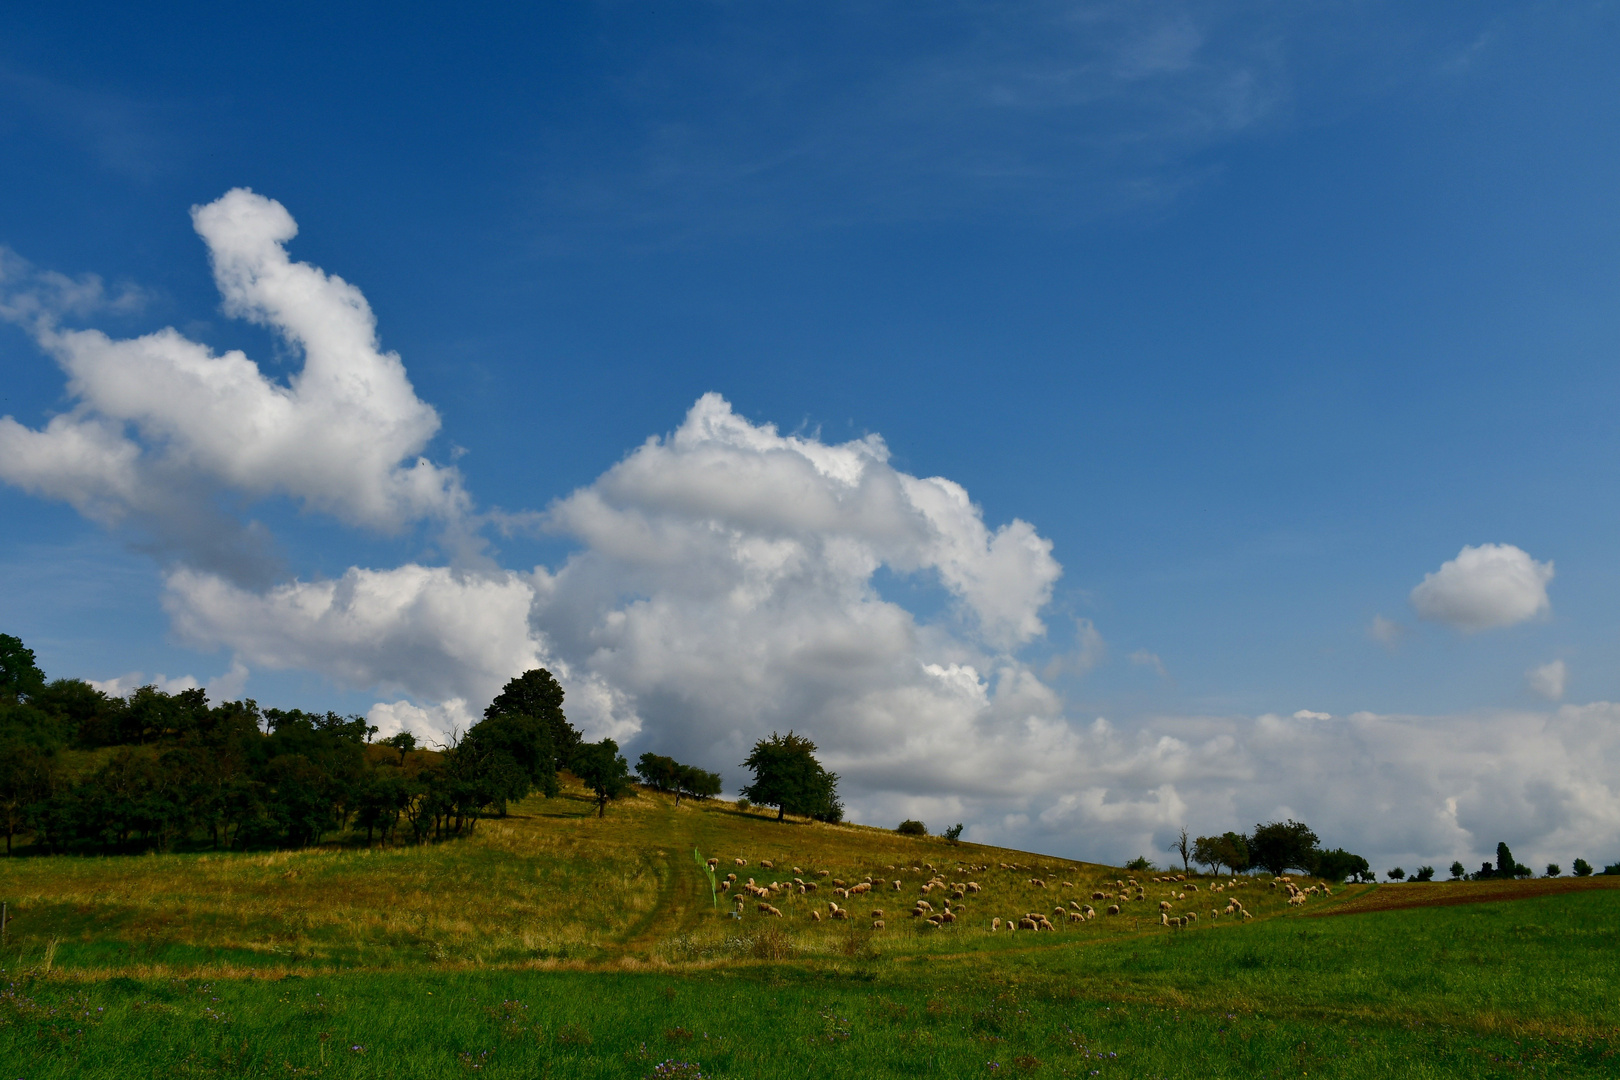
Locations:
(1442, 893)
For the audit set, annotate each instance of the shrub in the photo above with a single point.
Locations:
(1582, 868)
(954, 833)
(1553, 869)
(1612, 870)
(1458, 871)
(1396, 874)
(911, 828)
(1424, 873)
(744, 805)
(1140, 864)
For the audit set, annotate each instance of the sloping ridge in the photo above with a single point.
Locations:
(1448, 893)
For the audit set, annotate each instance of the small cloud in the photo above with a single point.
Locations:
(1090, 650)
(1548, 680)
(1306, 714)
(1387, 632)
(1143, 658)
(1484, 587)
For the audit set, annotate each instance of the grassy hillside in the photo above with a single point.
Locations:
(552, 943)
(552, 882)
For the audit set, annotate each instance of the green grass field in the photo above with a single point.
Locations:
(554, 944)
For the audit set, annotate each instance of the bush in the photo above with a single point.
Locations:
(1458, 871)
(1140, 864)
(1553, 869)
(744, 805)
(1396, 874)
(911, 828)
(1582, 868)
(1424, 873)
(1612, 870)
(954, 833)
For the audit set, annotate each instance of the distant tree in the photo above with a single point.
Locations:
(911, 827)
(535, 693)
(1338, 864)
(1396, 874)
(1486, 872)
(1582, 868)
(600, 767)
(1140, 864)
(1553, 869)
(1612, 870)
(696, 783)
(1183, 846)
(1458, 871)
(788, 777)
(27, 774)
(20, 676)
(1424, 873)
(954, 833)
(657, 771)
(1214, 852)
(1505, 864)
(1283, 846)
(404, 742)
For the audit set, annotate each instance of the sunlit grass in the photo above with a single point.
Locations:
(554, 943)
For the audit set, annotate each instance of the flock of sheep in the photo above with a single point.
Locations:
(1120, 895)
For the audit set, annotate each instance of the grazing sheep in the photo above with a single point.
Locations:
(1026, 923)
(949, 916)
(923, 905)
(815, 916)
(865, 886)
(731, 877)
(1164, 905)
(840, 914)
(877, 924)
(959, 894)
(1088, 911)
(811, 886)
(995, 924)
(1192, 886)
(1247, 916)
(1113, 909)
(823, 873)
(896, 886)
(973, 886)
(1164, 918)
(724, 885)
(1099, 896)
(713, 863)
(769, 910)
(796, 870)
(767, 864)
(740, 862)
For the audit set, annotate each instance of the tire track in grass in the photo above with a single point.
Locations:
(680, 902)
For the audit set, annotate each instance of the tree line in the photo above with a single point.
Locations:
(85, 771)
(82, 770)
(1275, 847)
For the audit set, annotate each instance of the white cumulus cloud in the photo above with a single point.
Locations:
(1488, 586)
(161, 422)
(1548, 679)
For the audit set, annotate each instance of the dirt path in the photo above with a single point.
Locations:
(683, 894)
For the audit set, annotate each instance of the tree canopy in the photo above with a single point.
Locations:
(663, 773)
(600, 768)
(535, 693)
(788, 777)
(1282, 846)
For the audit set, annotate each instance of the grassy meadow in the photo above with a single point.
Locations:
(552, 943)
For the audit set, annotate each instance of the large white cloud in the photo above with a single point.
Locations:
(161, 422)
(726, 584)
(1484, 587)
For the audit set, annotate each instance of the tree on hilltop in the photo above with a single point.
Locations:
(1283, 846)
(788, 777)
(600, 767)
(663, 773)
(537, 694)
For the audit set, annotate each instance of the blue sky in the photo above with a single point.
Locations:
(1256, 314)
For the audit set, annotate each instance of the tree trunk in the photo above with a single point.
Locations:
(601, 808)
(781, 808)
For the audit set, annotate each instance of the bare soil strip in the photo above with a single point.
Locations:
(1445, 893)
